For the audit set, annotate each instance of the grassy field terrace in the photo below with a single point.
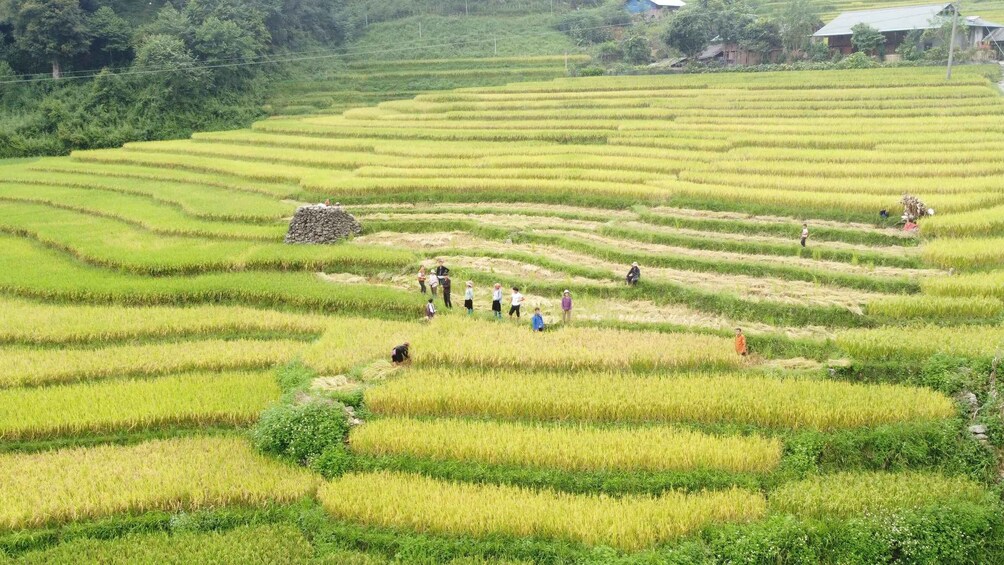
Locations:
(178, 385)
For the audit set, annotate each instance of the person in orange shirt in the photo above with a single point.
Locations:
(740, 342)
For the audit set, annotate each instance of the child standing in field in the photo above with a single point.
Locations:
(445, 283)
(433, 284)
(566, 307)
(517, 301)
(430, 310)
(538, 321)
(469, 297)
(740, 342)
(421, 278)
(805, 233)
(497, 301)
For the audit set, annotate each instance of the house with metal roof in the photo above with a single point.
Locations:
(895, 23)
(653, 8)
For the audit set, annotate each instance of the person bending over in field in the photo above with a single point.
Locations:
(517, 301)
(633, 275)
(430, 310)
(469, 298)
(497, 301)
(421, 279)
(538, 321)
(445, 283)
(399, 354)
(740, 342)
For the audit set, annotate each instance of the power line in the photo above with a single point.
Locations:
(296, 57)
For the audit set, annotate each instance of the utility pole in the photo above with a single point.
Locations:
(951, 45)
(420, 30)
(467, 10)
(495, 40)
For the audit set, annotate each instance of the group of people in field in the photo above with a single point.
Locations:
(437, 282)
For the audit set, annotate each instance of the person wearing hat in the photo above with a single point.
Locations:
(566, 307)
(469, 297)
(497, 301)
(634, 274)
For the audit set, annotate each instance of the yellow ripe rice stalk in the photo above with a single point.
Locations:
(23, 366)
(694, 397)
(210, 398)
(568, 447)
(173, 475)
(848, 494)
(911, 342)
(628, 523)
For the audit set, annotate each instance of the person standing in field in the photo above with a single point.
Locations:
(445, 283)
(566, 307)
(538, 321)
(433, 284)
(740, 342)
(469, 298)
(633, 274)
(421, 278)
(430, 310)
(441, 270)
(497, 301)
(517, 301)
(805, 233)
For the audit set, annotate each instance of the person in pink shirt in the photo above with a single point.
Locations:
(566, 307)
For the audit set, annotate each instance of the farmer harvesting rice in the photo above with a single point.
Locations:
(469, 297)
(566, 306)
(517, 301)
(740, 342)
(805, 233)
(634, 274)
(497, 301)
(399, 354)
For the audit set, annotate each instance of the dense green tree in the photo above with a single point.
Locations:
(52, 30)
(689, 31)
(637, 50)
(112, 35)
(165, 65)
(797, 21)
(170, 22)
(762, 37)
(866, 39)
(226, 49)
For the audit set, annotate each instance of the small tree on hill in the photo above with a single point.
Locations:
(866, 39)
(688, 31)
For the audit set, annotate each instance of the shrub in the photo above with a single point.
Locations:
(300, 433)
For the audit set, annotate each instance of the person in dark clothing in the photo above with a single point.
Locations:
(441, 270)
(634, 274)
(399, 354)
(445, 283)
(884, 214)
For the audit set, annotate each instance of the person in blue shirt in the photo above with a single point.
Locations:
(538, 320)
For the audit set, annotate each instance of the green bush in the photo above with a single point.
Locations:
(301, 433)
(333, 462)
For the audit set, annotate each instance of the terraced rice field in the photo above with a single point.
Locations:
(150, 314)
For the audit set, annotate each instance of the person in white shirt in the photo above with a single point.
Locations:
(497, 301)
(469, 297)
(517, 301)
(433, 281)
(805, 233)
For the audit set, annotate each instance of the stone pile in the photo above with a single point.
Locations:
(319, 223)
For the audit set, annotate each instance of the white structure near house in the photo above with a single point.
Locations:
(895, 23)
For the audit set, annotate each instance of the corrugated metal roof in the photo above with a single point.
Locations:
(903, 18)
(976, 21)
(669, 3)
